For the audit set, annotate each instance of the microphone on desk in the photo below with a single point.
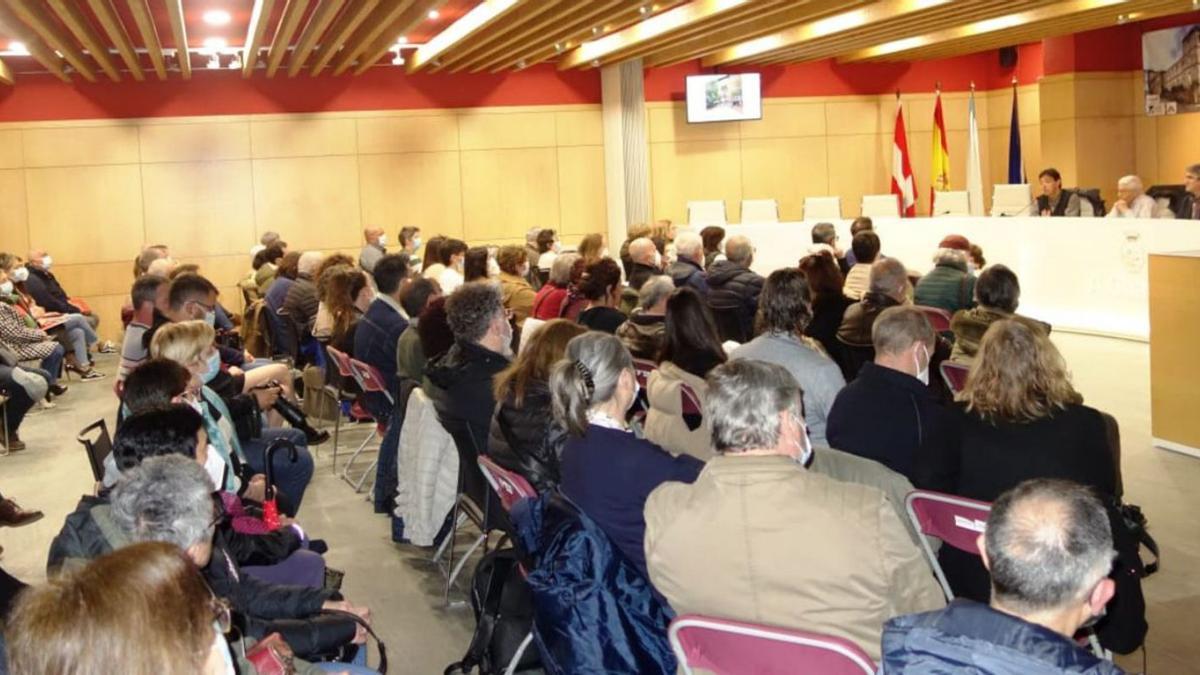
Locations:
(1028, 209)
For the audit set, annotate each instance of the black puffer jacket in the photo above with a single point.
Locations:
(462, 387)
(526, 439)
(639, 273)
(730, 284)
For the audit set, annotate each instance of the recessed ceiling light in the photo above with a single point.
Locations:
(433, 14)
(214, 43)
(595, 30)
(402, 40)
(644, 9)
(18, 47)
(217, 17)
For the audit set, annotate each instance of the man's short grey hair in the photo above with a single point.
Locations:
(888, 276)
(689, 245)
(1049, 543)
(950, 256)
(166, 498)
(471, 309)
(560, 270)
(1130, 182)
(269, 237)
(745, 398)
(654, 290)
(642, 250)
(147, 257)
(824, 233)
(309, 262)
(898, 328)
(738, 249)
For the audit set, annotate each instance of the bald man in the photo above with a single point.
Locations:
(646, 262)
(373, 250)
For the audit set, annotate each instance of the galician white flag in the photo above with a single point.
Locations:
(974, 172)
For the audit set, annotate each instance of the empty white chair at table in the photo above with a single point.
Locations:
(822, 208)
(881, 206)
(1011, 200)
(760, 211)
(951, 203)
(705, 213)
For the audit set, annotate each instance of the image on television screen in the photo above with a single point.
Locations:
(724, 98)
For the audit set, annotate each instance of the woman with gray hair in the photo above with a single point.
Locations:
(551, 297)
(607, 471)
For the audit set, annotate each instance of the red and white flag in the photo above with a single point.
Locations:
(904, 186)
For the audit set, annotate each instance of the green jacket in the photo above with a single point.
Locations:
(947, 286)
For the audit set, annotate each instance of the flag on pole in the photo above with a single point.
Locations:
(1016, 169)
(974, 168)
(940, 180)
(904, 186)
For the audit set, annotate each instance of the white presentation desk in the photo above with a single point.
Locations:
(1080, 274)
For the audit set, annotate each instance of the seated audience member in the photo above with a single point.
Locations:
(475, 264)
(518, 295)
(330, 266)
(635, 232)
(531, 257)
(975, 259)
(1132, 200)
(855, 564)
(32, 344)
(302, 301)
(47, 292)
(524, 437)
(784, 310)
(677, 419)
(434, 333)
(888, 413)
(1054, 202)
(23, 387)
(1188, 208)
(453, 258)
(415, 296)
(888, 288)
(866, 251)
(859, 224)
(713, 237)
(348, 296)
(731, 282)
(379, 330)
(607, 471)
(550, 299)
(1049, 550)
(71, 331)
(997, 294)
(266, 265)
(592, 248)
(642, 333)
(825, 238)
(286, 272)
(950, 284)
(644, 262)
(267, 240)
(410, 243)
(149, 293)
(141, 264)
(431, 264)
(548, 247)
(829, 303)
(374, 248)
(688, 268)
(601, 288)
(462, 378)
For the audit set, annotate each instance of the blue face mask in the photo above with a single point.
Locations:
(212, 367)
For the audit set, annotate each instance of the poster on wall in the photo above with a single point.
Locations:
(1171, 64)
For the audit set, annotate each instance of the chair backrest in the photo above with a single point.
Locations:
(938, 318)
(730, 321)
(881, 206)
(98, 449)
(951, 203)
(760, 211)
(822, 208)
(853, 357)
(509, 485)
(703, 213)
(954, 375)
(957, 521)
(1011, 200)
(726, 647)
(370, 379)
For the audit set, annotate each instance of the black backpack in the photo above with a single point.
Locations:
(503, 605)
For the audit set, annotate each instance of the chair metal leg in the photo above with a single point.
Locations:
(363, 478)
(450, 551)
(345, 475)
(516, 659)
(459, 520)
(481, 539)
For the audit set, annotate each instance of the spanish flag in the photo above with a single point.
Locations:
(940, 181)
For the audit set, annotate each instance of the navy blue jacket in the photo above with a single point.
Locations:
(47, 292)
(972, 638)
(609, 474)
(375, 344)
(684, 272)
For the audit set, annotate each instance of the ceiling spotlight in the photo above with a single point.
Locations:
(595, 63)
(235, 63)
(213, 44)
(1122, 19)
(433, 14)
(214, 62)
(397, 60)
(644, 10)
(402, 40)
(595, 30)
(217, 17)
(521, 64)
(17, 47)
(558, 46)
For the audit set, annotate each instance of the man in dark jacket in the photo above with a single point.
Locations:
(888, 288)
(380, 328)
(644, 265)
(731, 283)
(300, 305)
(950, 284)
(643, 333)
(907, 426)
(1189, 207)
(688, 268)
(1049, 549)
(45, 290)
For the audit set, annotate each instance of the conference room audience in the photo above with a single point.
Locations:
(688, 268)
(416, 295)
(475, 264)
(644, 262)
(828, 302)
(431, 265)
(453, 258)
(997, 295)
(784, 311)
(949, 285)
(865, 246)
(732, 284)
(713, 237)
(548, 247)
(47, 292)
(643, 332)
(825, 238)
(607, 471)
(524, 436)
(1188, 208)
(1133, 202)
(149, 293)
(859, 224)
(1048, 548)
(601, 288)
(515, 289)
(909, 430)
(591, 248)
(550, 299)
(1054, 202)
(676, 390)
(633, 233)
(758, 537)
(26, 344)
(379, 330)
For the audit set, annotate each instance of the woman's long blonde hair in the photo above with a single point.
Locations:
(184, 342)
(1018, 375)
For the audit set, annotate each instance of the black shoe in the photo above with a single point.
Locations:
(315, 436)
(57, 390)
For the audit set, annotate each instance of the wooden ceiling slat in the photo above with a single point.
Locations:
(293, 12)
(569, 20)
(6, 74)
(575, 34)
(526, 21)
(321, 18)
(735, 20)
(112, 26)
(409, 20)
(369, 32)
(354, 14)
(37, 49)
(33, 16)
(145, 26)
(72, 17)
(487, 13)
(179, 34)
(260, 16)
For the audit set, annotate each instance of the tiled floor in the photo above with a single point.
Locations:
(405, 594)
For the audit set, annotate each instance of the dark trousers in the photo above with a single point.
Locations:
(53, 364)
(19, 401)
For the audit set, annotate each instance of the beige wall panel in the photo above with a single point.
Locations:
(14, 220)
(581, 196)
(206, 141)
(1056, 101)
(857, 166)
(683, 172)
(312, 202)
(426, 133)
(200, 208)
(486, 130)
(1178, 145)
(108, 308)
(669, 123)
(99, 219)
(11, 156)
(81, 146)
(302, 137)
(1059, 148)
(1101, 164)
(91, 280)
(223, 270)
(1145, 147)
(861, 117)
(506, 192)
(1104, 96)
(420, 189)
(579, 127)
(786, 170)
(784, 120)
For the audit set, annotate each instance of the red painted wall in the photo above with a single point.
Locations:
(1108, 49)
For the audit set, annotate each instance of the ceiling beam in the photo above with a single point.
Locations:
(71, 17)
(415, 15)
(355, 13)
(573, 26)
(179, 34)
(116, 34)
(6, 74)
(260, 16)
(521, 23)
(145, 25)
(293, 12)
(37, 49)
(479, 18)
(42, 24)
(364, 38)
(317, 23)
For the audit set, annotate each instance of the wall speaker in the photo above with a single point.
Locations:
(1008, 57)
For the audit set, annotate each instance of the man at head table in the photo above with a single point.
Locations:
(1054, 202)
(1132, 200)
(1189, 207)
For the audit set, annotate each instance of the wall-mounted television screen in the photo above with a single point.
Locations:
(724, 98)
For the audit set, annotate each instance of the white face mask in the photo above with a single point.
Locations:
(493, 268)
(382, 240)
(20, 274)
(6, 288)
(658, 260)
(806, 451)
(222, 648)
(214, 466)
(922, 373)
(416, 243)
(557, 248)
(47, 261)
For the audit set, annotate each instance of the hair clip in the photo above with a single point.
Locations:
(586, 374)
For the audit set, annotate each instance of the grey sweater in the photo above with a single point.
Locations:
(819, 377)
